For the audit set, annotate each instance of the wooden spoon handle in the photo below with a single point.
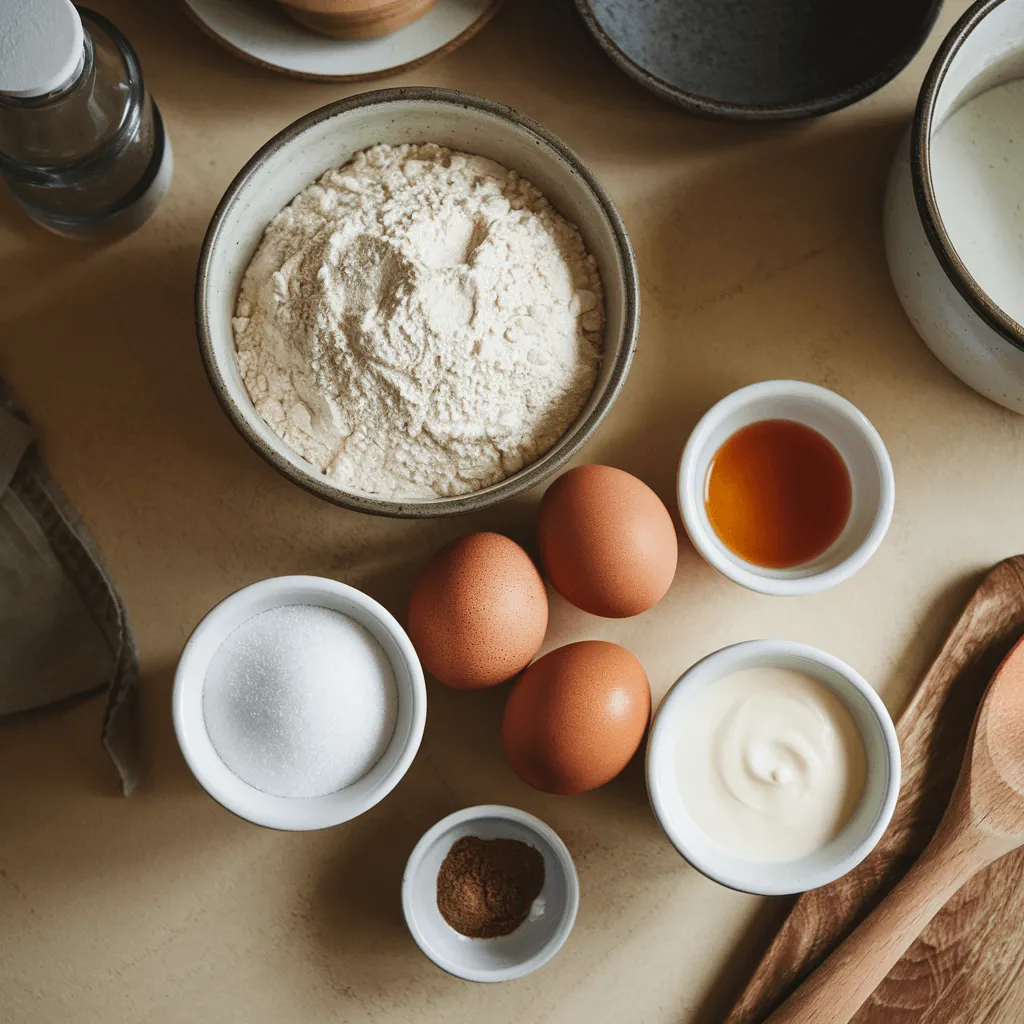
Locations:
(839, 987)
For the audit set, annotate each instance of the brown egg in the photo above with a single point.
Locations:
(478, 612)
(576, 716)
(607, 541)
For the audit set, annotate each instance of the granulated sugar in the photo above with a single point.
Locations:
(300, 701)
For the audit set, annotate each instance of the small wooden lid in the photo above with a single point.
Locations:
(356, 19)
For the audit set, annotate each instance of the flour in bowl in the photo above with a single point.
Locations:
(420, 323)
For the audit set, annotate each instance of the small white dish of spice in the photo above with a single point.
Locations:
(490, 893)
(299, 702)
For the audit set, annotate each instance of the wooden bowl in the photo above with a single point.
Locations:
(356, 19)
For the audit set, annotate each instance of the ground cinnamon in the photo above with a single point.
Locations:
(485, 887)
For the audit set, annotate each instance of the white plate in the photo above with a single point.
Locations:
(258, 30)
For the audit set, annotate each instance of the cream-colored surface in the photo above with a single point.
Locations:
(760, 255)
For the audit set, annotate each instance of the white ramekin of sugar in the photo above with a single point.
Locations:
(299, 702)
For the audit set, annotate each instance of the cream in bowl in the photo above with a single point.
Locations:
(773, 767)
(416, 302)
(770, 763)
(299, 702)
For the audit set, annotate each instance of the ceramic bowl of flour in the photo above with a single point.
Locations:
(329, 138)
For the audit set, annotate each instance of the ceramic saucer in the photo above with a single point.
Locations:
(260, 32)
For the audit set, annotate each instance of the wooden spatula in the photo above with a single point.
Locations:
(984, 821)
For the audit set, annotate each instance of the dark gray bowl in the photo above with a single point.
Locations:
(328, 137)
(761, 60)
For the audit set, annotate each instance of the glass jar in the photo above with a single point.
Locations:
(88, 159)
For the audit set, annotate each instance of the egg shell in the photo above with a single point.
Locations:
(478, 612)
(576, 716)
(607, 541)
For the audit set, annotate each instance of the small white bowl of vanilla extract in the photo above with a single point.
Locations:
(786, 488)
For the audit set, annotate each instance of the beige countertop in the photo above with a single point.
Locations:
(760, 255)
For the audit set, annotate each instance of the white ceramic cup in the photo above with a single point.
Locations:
(965, 329)
(862, 449)
(535, 941)
(282, 812)
(862, 832)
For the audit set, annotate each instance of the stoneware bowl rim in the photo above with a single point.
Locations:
(920, 171)
(813, 107)
(882, 786)
(564, 449)
(216, 778)
(412, 877)
(690, 490)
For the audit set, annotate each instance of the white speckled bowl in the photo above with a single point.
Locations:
(330, 136)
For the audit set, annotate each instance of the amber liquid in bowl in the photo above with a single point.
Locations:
(778, 494)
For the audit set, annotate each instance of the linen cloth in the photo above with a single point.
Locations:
(63, 626)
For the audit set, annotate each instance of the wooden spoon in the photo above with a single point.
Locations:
(984, 821)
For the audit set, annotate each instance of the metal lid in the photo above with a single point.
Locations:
(41, 46)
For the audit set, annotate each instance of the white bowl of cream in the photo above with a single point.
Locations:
(773, 767)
